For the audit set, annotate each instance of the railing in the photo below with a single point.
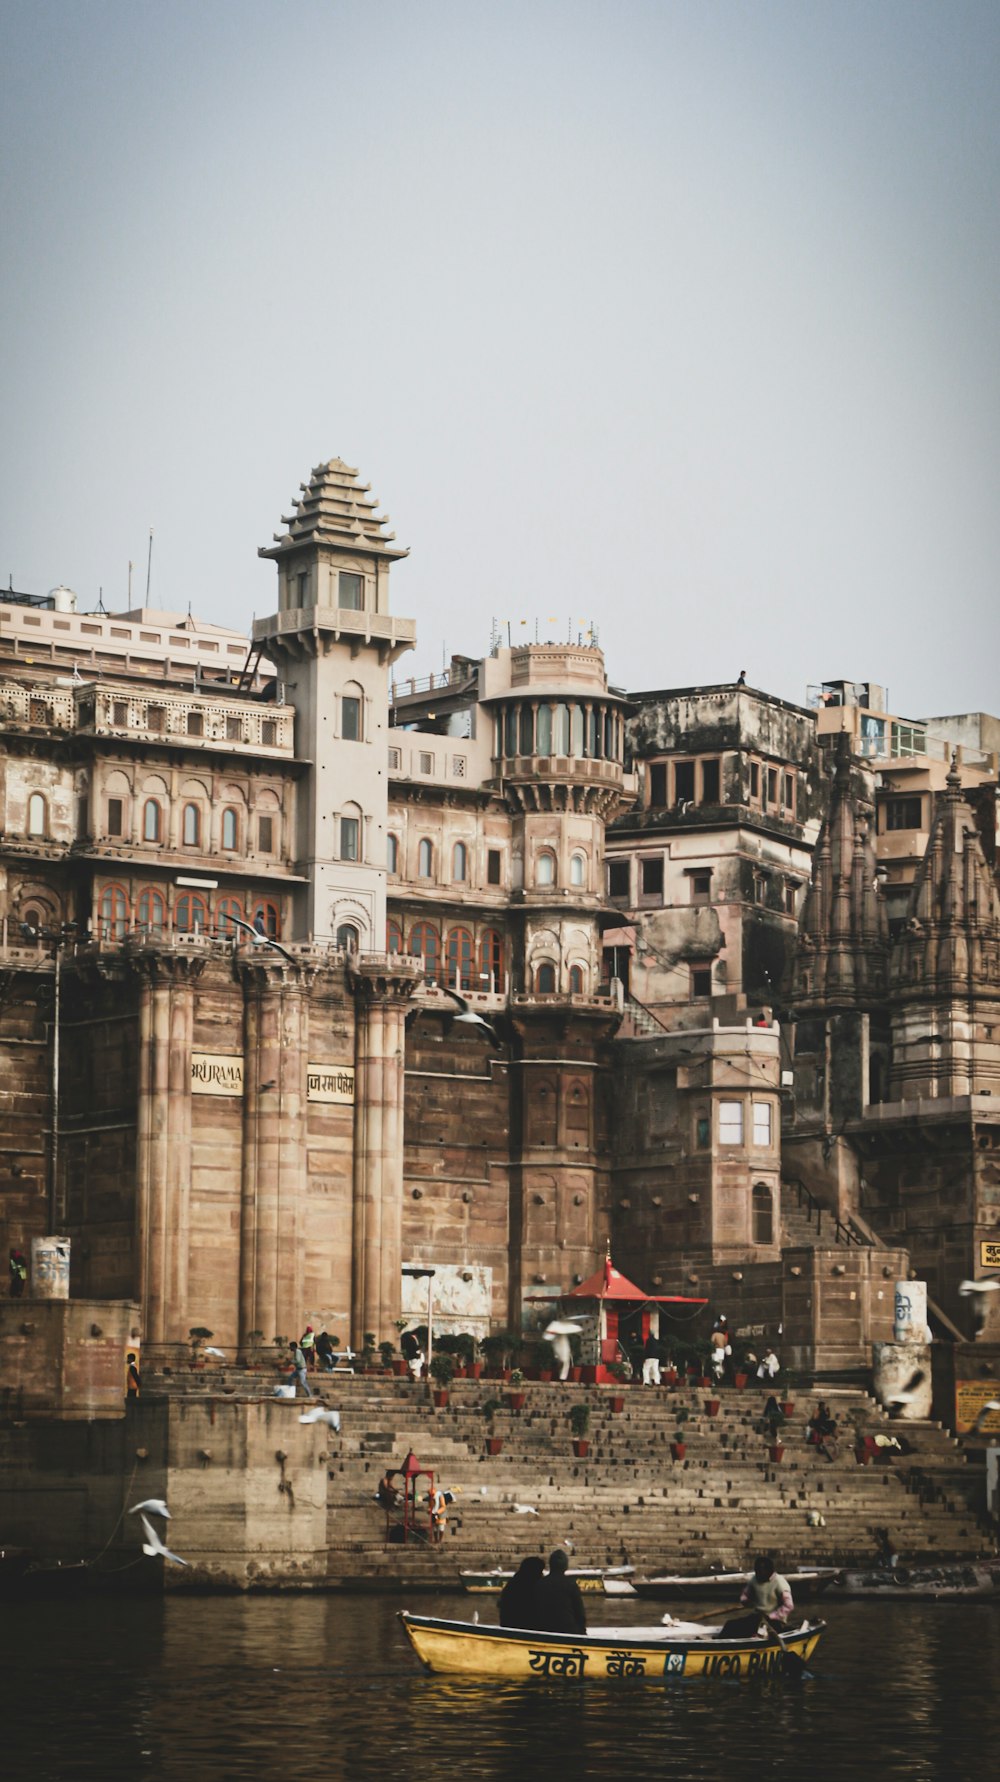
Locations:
(843, 1233)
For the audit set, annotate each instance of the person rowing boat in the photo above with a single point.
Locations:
(768, 1596)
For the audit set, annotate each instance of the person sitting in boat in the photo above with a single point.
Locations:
(768, 1596)
(519, 1601)
(560, 1605)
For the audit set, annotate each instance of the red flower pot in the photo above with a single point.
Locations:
(515, 1401)
(788, 1408)
(441, 1398)
(581, 1447)
(776, 1452)
(494, 1444)
(670, 1376)
(739, 1381)
(678, 1450)
(712, 1407)
(617, 1402)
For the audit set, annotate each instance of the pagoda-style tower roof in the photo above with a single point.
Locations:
(843, 932)
(336, 512)
(950, 948)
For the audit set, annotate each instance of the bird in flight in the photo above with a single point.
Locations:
(907, 1393)
(260, 939)
(154, 1546)
(155, 1506)
(221, 1353)
(317, 1414)
(466, 1017)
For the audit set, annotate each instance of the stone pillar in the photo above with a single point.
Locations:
(162, 1229)
(274, 1176)
(381, 997)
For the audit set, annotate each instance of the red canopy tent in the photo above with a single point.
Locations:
(610, 1287)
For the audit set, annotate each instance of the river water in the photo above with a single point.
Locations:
(309, 1687)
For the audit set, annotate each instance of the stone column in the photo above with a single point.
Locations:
(382, 988)
(274, 1175)
(163, 1173)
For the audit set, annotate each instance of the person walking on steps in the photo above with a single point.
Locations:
(298, 1374)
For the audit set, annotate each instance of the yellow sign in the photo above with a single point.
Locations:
(989, 1253)
(330, 1082)
(216, 1073)
(970, 1397)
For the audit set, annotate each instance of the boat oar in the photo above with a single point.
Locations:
(718, 1614)
(793, 1667)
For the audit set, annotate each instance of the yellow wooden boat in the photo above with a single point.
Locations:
(680, 1649)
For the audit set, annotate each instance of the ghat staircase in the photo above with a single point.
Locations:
(628, 1501)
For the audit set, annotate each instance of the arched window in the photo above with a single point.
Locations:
(510, 731)
(545, 979)
(576, 980)
(425, 944)
(425, 860)
(151, 911)
(578, 870)
(393, 937)
(460, 959)
(543, 730)
(269, 915)
(226, 910)
(527, 728)
(113, 913)
(392, 852)
(151, 821)
(491, 961)
(192, 826)
(230, 829)
(36, 814)
(560, 730)
(459, 863)
(190, 913)
(763, 1214)
(545, 869)
(348, 938)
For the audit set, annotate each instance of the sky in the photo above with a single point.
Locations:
(677, 318)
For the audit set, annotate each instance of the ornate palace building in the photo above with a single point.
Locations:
(738, 963)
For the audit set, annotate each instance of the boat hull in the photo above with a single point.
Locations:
(462, 1648)
(928, 1583)
(593, 1581)
(669, 1588)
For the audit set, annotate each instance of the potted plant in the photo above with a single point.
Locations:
(678, 1447)
(387, 1351)
(712, 1407)
(579, 1422)
(741, 1372)
(198, 1334)
(442, 1372)
(788, 1407)
(496, 1348)
(469, 1352)
(517, 1395)
(494, 1443)
(776, 1452)
(622, 1372)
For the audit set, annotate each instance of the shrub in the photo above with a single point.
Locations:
(579, 1420)
(442, 1369)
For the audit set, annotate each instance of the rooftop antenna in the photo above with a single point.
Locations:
(149, 564)
(100, 601)
(130, 582)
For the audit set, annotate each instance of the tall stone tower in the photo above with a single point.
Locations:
(332, 640)
(945, 980)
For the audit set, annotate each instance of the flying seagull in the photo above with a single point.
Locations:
(318, 1415)
(155, 1506)
(154, 1546)
(908, 1392)
(524, 1509)
(967, 1287)
(467, 1017)
(221, 1353)
(262, 940)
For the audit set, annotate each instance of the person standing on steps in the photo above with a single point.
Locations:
(651, 1361)
(298, 1374)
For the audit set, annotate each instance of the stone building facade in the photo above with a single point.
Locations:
(242, 883)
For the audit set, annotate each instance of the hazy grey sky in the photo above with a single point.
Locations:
(681, 317)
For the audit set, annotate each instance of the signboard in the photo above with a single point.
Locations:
(970, 1397)
(989, 1253)
(330, 1083)
(216, 1073)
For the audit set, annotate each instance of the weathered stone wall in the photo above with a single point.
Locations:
(65, 1358)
